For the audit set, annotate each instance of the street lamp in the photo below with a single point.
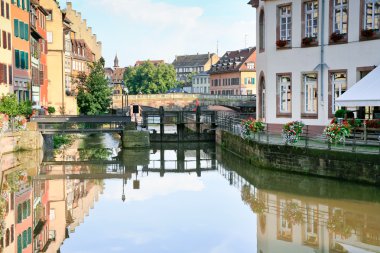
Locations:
(126, 91)
(122, 97)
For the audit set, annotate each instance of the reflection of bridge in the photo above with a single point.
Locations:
(181, 100)
(49, 125)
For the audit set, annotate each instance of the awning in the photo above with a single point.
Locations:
(366, 92)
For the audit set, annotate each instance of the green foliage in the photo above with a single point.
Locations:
(51, 110)
(10, 106)
(150, 79)
(94, 94)
(61, 140)
(340, 113)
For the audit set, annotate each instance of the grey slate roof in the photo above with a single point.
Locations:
(191, 60)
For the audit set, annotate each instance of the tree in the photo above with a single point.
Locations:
(149, 78)
(94, 94)
(10, 106)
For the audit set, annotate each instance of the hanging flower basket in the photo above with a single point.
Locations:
(250, 127)
(337, 132)
(291, 132)
(19, 123)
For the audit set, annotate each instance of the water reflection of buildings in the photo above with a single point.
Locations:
(289, 222)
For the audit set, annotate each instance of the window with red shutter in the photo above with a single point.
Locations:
(1, 73)
(4, 40)
(9, 42)
(10, 75)
(7, 10)
(5, 73)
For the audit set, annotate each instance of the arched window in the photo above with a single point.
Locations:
(262, 98)
(262, 30)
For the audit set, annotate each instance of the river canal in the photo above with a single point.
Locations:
(194, 198)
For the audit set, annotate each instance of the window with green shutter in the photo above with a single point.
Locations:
(29, 236)
(17, 57)
(28, 5)
(19, 207)
(24, 239)
(22, 33)
(16, 23)
(22, 57)
(27, 67)
(26, 37)
(18, 3)
(23, 4)
(27, 202)
(19, 244)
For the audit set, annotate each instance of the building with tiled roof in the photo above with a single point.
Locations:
(187, 65)
(154, 62)
(234, 73)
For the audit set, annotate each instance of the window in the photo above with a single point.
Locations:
(251, 65)
(2, 8)
(18, 3)
(310, 87)
(285, 23)
(49, 36)
(9, 42)
(340, 16)
(24, 239)
(371, 15)
(4, 40)
(19, 244)
(49, 17)
(29, 236)
(19, 213)
(10, 82)
(339, 86)
(26, 30)
(22, 32)
(262, 30)
(23, 4)
(311, 19)
(7, 10)
(285, 93)
(16, 25)
(17, 58)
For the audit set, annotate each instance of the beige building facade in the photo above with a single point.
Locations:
(6, 60)
(83, 31)
(309, 53)
(57, 25)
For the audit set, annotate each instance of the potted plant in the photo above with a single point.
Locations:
(51, 110)
(281, 43)
(368, 33)
(335, 36)
(291, 131)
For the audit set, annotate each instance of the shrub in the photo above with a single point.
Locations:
(250, 126)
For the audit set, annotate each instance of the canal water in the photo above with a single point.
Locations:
(196, 198)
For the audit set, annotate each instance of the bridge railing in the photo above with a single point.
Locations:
(80, 124)
(188, 96)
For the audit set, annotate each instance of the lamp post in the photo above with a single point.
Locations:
(122, 97)
(126, 91)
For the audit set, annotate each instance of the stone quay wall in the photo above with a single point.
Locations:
(359, 168)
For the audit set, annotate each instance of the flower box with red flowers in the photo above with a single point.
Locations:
(281, 43)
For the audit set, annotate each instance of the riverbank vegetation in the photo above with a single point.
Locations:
(62, 140)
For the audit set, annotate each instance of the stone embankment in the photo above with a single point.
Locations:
(362, 168)
(21, 148)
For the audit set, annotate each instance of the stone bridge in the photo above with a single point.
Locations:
(172, 101)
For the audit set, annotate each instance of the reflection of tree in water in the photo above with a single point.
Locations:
(336, 224)
(293, 213)
(95, 154)
(256, 204)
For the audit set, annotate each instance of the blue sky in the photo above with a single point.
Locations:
(161, 29)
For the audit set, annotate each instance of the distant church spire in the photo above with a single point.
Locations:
(116, 62)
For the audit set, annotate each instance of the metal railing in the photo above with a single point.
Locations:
(309, 139)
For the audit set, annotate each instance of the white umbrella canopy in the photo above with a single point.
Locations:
(366, 92)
